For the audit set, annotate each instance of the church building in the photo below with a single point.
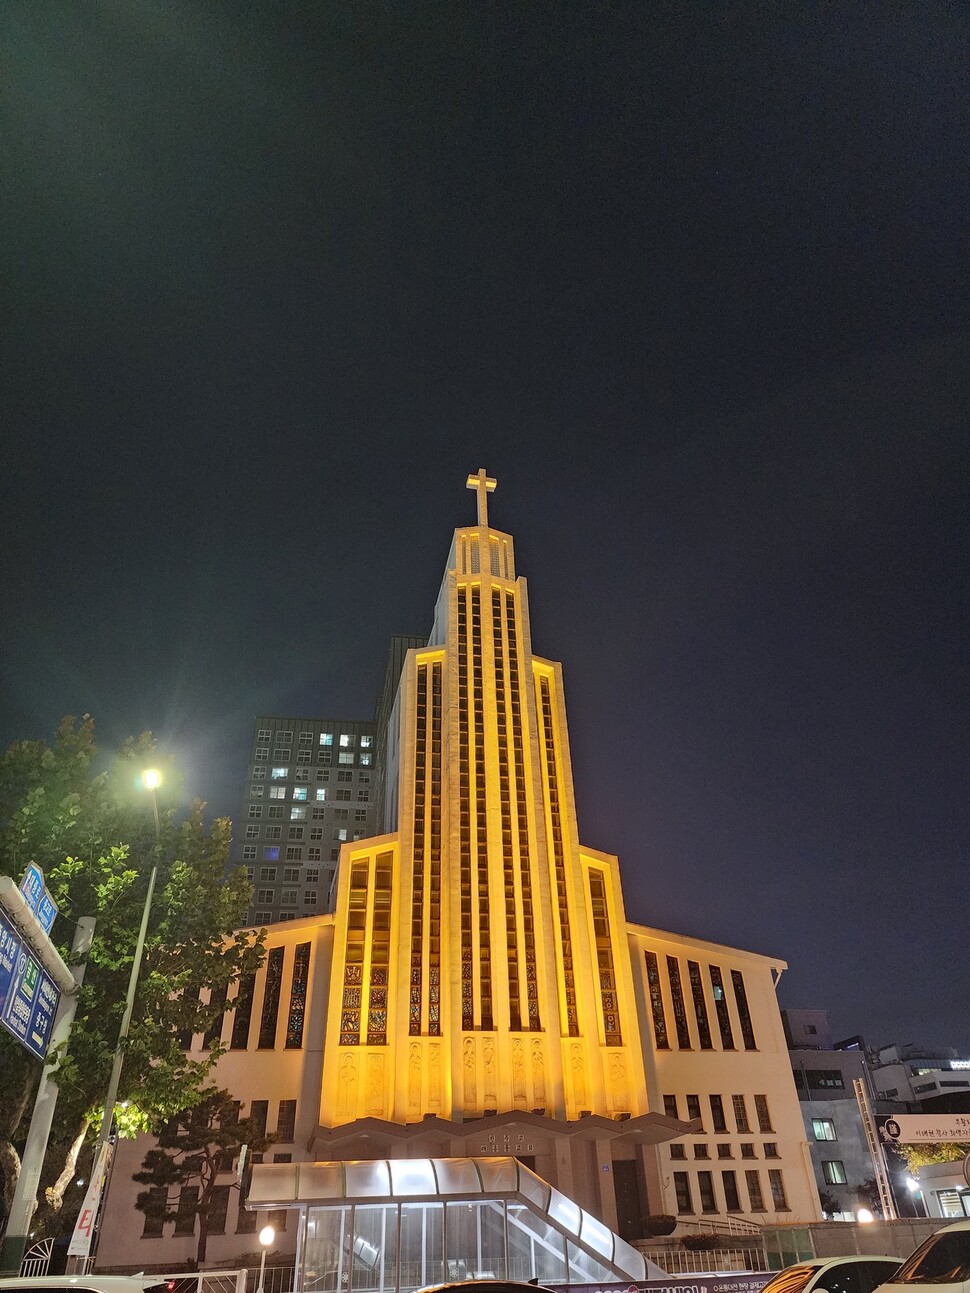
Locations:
(477, 1001)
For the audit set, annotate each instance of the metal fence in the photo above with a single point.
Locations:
(684, 1261)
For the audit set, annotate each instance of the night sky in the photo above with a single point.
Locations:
(691, 279)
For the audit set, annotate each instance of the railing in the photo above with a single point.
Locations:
(207, 1281)
(690, 1261)
(37, 1258)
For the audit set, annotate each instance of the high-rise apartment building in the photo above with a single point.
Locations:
(311, 787)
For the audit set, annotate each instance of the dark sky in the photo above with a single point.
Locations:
(690, 278)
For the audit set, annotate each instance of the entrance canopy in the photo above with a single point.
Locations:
(538, 1225)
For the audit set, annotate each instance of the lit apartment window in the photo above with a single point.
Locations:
(321, 794)
(346, 741)
(365, 742)
(277, 792)
(326, 738)
(297, 813)
(340, 833)
(833, 1171)
(271, 854)
(365, 760)
(823, 1129)
(345, 756)
(280, 774)
(300, 793)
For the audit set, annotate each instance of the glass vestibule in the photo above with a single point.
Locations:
(379, 1248)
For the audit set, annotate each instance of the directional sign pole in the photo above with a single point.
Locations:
(25, 1197)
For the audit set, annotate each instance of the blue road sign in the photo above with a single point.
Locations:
(37, 896)
(28, 995)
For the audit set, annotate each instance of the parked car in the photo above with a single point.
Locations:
(860, 1274)
(85, 1284)
(943, 1261)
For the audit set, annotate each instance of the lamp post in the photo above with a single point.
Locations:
(81, 1244)
(266, 1237)
(151, 780)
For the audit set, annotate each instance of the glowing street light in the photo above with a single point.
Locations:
(864, 1216)
(266, 1237)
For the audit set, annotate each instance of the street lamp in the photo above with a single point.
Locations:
(266, 1237)
(151, 779)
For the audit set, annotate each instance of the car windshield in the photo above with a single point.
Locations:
(943, 1259)
(791, 1280)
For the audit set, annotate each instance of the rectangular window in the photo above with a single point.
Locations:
(277, 792)
(771, 1149)
(340, 833)
(656, 1002)
(185, 1217)
(744, 1014)
(291, 875)
(267, 873)
(833, 1170)
(262, 753)
(263, 734)
(249, 852)
(732, 1200)
(321, 794)
(264, 895)
(279, 774)
(345, 776)
(317, 814)
(326, 738)
(670, 1106)
(218, 1209)
(285, 738)
(300, 793)
(717, 1114)
(823, 1129)
(682, 1189)
(294, 853)
(363, 796)
(275, 812)
(341, 814)
(271, 999)
(764, 1117)
(313, 855)
(701, 1151)
(360, 815)
(281, 752)
(740, 1113)
(302, 756)
(286, 1122)
(273, 832)
(705, 1188)
(312, 875)
(298, 988)
(694, 1107)
(258, 1112)
(256, 792)
(677, 1150)
(271, 853)
(365, 742)
(252, 832)
(310, 898)
(345, 756)
(747, 1149)
(242, 1009)
(347, 742)
(302, 774)
(316, 832)
(306, 738)
(288, 898)
(752, 1180)
(298, 813)
(700, 1006)
(822, 1079)
(725, 1151)
(721, 1008)
(777, 1183)
(259, 773)
(677, 1000)
(255, 810)
(365, 760)
(155, 1214)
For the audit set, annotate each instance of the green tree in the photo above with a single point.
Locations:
(198, 1146)
(91, 830)
(947, 1151)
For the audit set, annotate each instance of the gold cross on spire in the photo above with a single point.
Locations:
(484, 485)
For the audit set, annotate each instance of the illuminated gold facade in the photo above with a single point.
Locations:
(481, 963)
(478, 989)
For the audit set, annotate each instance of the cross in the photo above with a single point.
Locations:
(484, 485)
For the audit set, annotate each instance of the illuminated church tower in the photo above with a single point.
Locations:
(476, 990)
(483, 963)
